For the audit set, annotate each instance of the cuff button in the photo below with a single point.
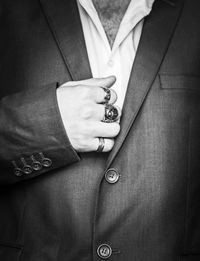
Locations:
(27, 170)
(36, 165)
(18, 172)
(46, 162)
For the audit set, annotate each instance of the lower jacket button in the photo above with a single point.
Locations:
(104, 251)
(112, 176)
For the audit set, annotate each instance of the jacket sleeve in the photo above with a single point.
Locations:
(33, 140)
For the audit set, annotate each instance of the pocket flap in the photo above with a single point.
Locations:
(179, 82)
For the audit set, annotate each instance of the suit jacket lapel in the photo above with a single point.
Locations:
(157, 32)
(63, 19)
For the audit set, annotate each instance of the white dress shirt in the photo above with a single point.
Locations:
(117, 61)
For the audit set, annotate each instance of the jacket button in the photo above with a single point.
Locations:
(104, 251)
(112, 176)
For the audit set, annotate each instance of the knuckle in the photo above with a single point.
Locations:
(86, 112)
(85, 92)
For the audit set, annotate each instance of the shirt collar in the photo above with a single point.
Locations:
(135, 12)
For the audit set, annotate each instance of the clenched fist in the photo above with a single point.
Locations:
(82, 108)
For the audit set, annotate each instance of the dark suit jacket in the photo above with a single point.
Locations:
(65, 210)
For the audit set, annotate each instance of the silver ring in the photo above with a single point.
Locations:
(107, 94)
(111, 114)
(101, 144)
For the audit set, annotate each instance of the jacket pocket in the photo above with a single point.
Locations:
(10, 252)
(180, 82)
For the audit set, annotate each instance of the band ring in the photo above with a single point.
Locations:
(107, 94)
(101, 144)
(111, 114)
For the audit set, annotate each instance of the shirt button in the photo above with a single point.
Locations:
(112, 176)
(104, 251)
(110, 63)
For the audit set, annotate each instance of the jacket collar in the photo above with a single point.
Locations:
(65, 25)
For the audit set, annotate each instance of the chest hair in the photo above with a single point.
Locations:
(111, 13)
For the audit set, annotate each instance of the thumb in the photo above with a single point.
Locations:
(106, 82)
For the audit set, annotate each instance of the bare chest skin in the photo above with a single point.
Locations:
(111, 13)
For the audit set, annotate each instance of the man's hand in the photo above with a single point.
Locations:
(82, 111)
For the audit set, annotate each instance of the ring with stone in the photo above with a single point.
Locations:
(111, 114)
